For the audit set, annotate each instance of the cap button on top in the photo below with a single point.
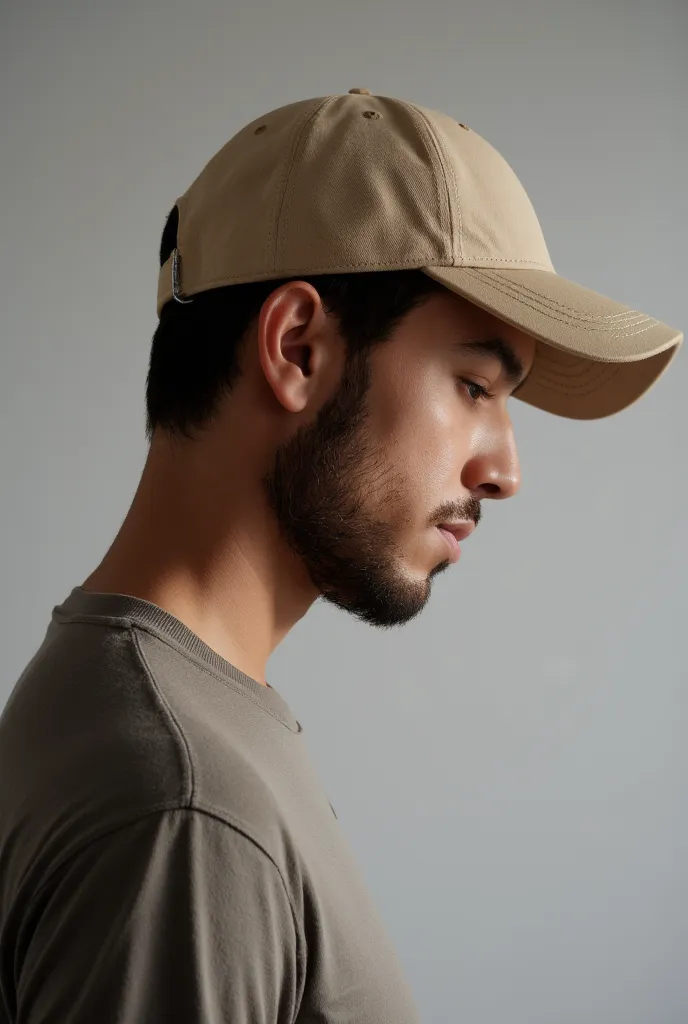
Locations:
(361, 92)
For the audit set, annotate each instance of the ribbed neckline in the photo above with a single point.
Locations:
(124, 610)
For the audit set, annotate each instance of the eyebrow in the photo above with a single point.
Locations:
(496, 348)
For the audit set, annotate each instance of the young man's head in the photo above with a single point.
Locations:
(349, 292)
(361, 411)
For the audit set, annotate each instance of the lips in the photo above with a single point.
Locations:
(452, 544)
(460, 530)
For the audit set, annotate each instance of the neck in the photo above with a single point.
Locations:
(204, 546)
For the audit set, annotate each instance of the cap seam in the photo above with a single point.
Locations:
(284, 202)
(426, 262)
(425, 129)
(495, 259)
(419, 261)
(448, 163)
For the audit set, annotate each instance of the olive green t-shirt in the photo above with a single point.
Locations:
(167, 852)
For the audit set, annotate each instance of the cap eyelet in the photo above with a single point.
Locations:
(371, 114)
(262, 128)
(464, 126)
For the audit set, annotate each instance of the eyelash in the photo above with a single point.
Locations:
(483, 393)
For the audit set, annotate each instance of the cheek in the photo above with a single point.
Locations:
(429, 443)
(424, 427)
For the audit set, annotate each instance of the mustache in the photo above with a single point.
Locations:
(469, 509)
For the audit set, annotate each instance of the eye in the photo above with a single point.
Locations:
(475, 392)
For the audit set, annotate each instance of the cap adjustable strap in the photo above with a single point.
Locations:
(176, 286)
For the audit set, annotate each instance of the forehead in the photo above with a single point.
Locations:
(450, 321)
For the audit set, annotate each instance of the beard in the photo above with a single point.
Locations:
(338, 505)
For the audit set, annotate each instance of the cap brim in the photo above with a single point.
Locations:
(596, 355)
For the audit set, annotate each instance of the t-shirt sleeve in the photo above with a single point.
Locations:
(175, 917)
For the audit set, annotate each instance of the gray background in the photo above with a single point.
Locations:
(511, 766)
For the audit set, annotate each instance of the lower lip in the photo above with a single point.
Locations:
(452, 543)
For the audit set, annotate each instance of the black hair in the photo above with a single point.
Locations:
(196, 348)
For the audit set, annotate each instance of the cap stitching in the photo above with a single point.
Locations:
(506, 259)
(566, 387)
(571, 321)
(428, 261)
(424, 126)
(455, 183)
(584, 367)
(420, 261)
(520, 288)
(414, 262)
(627, 318)
(458, 207)
(545, 299)
(284, 203)
(491, 259)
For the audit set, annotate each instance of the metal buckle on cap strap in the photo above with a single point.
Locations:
(176, 287)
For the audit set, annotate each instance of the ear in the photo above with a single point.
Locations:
(293, 331)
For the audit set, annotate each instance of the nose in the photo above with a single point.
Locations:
(493, 470)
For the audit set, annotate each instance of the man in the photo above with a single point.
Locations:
(349, 293)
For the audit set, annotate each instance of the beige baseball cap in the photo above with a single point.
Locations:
(355, 183)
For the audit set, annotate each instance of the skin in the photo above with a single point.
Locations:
(310, 484)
